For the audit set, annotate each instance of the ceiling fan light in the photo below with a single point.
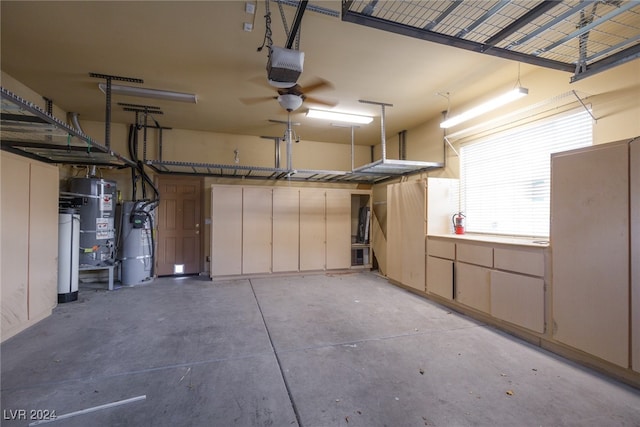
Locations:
(490, 105)
(290, 102)
(150, 93)
(340, 117)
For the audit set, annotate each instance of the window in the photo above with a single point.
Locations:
(505, 178)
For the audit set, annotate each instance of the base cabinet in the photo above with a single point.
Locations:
(440, 277)
(506, 281)
(473, 286)
(518, 299)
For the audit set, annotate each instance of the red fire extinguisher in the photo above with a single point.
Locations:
(458, 223)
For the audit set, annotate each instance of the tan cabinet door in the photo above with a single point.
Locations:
(15, 242)
(394, 233)
(43, 239)
(286, 229)
(256, 230)
(338, 229)
(590, 250)
(226, 230)
(634, 188)
(518, 299)
(473, 286)
(440, 277)
(312, 229)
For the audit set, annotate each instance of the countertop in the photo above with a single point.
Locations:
(538, 242)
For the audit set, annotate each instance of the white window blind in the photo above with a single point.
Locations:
(505, 178)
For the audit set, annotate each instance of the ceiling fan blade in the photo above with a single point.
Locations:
(316, 85)
(257, 100)
(319, 101)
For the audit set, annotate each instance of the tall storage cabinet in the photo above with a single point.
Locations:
(29, 242)
(590, 235)
(634, 191)
(256, 230)
(406, 233)
(226, 230)
(312, 230)
(264, 230)
(286, 233)
(338, 210)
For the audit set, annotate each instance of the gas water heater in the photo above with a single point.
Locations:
(97, 213)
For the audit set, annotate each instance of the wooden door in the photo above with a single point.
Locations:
(226, 230)
(256, 230)
(179, 224)
(286, 229)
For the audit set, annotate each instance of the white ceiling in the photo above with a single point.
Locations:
(200, 47)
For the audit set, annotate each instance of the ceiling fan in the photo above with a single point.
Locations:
(291, 98)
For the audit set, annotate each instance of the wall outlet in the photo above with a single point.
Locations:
(250, 8)
(247, 26)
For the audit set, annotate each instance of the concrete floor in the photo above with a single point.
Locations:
(318, 350)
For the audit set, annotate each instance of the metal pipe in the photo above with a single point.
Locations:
(383, 142)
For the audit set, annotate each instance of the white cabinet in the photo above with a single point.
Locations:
(590, 240)
(29, 242)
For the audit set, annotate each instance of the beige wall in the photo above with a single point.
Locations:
(613, 96)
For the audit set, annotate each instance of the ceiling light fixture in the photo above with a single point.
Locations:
(150, 93)
(340, 117)
(492, 104)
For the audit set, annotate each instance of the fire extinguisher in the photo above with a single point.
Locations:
(458, 223)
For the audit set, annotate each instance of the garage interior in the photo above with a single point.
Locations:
(238, 262)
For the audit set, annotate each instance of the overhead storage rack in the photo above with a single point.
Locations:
(27, 130)
(579, 36)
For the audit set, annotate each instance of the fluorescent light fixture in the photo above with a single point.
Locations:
(150, 93)
(339, 117)
(492, 104)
